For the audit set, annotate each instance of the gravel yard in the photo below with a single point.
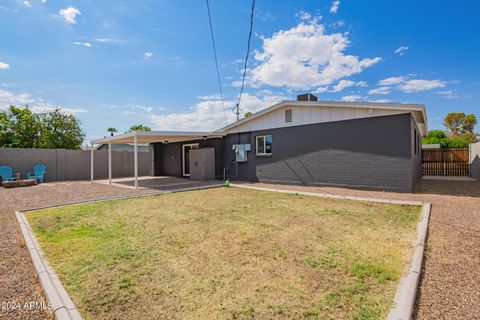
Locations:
(451, 277)
(450, 286)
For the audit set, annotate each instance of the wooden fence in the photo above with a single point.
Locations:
(445, 162)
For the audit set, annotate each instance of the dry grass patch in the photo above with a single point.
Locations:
(229, 254)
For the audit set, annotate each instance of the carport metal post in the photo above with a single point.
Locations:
(91, 163)
(135, 159)
(110, 161)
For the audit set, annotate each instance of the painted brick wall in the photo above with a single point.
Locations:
(367, 153)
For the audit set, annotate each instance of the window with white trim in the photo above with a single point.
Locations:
(288, 116)
(263, 145)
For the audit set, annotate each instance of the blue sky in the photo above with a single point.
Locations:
(118, 63)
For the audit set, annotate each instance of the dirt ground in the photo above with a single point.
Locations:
(451, 276)
(450, 283)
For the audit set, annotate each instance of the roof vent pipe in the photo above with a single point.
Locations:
(306, 97)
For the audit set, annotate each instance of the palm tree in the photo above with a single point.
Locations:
(112, 130)
(139, 127)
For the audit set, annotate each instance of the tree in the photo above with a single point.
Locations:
(112, 130)
(460, 125)
(248, 114)
(60, 131)
(436, 137)
(22, 128)
(139, 127)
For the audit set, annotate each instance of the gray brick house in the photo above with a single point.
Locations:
(308, 142)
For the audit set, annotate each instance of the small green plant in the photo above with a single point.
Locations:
(226, 183)
(311, 262)
(282, 254)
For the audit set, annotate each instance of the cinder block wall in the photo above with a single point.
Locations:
(68, 165)
(475, 160)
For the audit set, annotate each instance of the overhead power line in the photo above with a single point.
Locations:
(246, 61)
(216, 60)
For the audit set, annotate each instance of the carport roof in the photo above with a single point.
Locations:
(158, 136)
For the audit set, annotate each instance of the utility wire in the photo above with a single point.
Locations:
(216, 60)
(246, 60)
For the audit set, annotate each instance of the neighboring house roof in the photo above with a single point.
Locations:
(418, 110)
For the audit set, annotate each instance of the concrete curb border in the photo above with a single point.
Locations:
(62, 305)
(404, 300)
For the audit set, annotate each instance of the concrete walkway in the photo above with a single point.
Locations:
(450, 285)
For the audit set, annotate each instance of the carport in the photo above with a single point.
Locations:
(144, 137)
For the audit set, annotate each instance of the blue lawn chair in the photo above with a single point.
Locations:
(39, 171)
(6, 173)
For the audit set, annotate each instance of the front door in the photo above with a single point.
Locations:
(186, 158)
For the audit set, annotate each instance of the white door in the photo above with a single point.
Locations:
(186, 158)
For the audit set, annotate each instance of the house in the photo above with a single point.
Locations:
(309, 142)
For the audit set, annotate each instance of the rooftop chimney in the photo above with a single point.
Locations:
(306, 97)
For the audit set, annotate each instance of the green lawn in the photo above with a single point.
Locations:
(229, 253)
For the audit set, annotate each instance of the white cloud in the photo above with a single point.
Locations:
(44, 1)
(334, 7)
(143, 108)
(7, 98)
(27, 3)
(411, 85)
(320, 90)
(69, 14)
(380, 90)
(108, 40)
(84, 44)
(448, 94)
(128, 112)
(4, 66)
(391, 81)
(208, 115)
(36, 104)
(401, 50)
(304, 57)
(303, 15)
(351, 98)
(147, 55)
(416, 85)
(210, 97)
(343, 84)
(382, 100)
(45, 107)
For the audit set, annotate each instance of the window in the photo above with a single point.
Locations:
(288, 115)
(264, 145)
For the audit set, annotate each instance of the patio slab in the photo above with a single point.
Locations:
(158, 183)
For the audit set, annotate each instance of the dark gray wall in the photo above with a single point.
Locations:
(168, 157)
(368, 153)
(475, 160)
(66, 165)
(416, 154)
